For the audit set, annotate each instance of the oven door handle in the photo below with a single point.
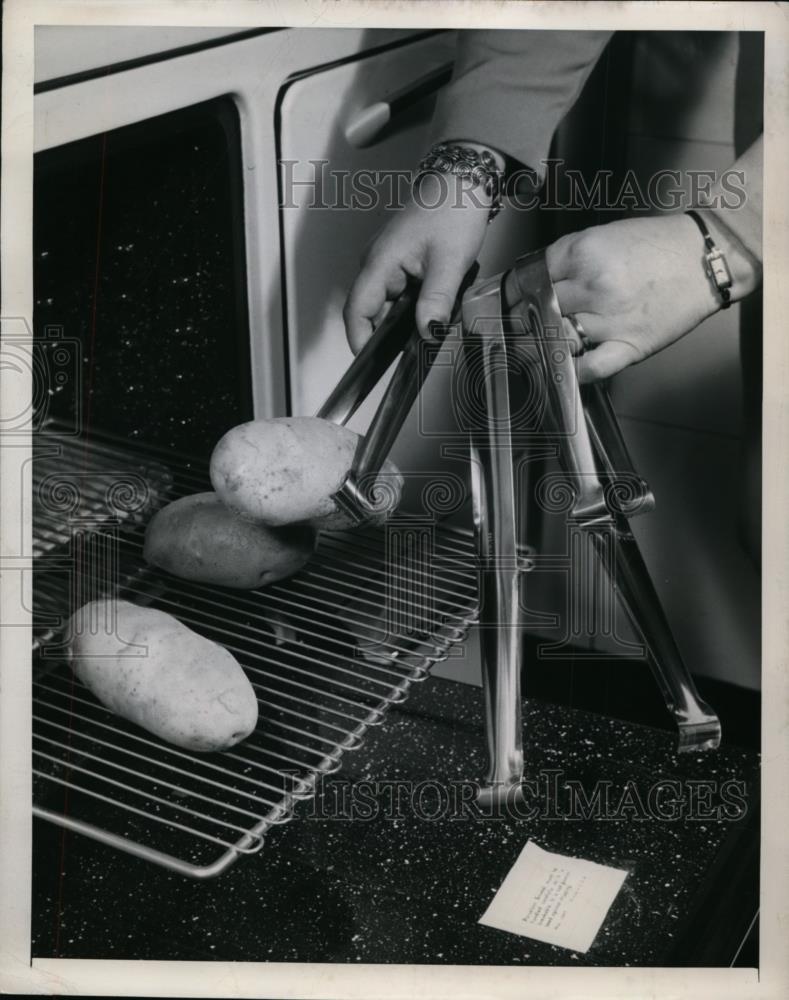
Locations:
(367, 124)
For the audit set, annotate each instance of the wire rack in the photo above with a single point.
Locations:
(327, 652)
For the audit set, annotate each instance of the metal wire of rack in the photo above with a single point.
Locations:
(327, 652)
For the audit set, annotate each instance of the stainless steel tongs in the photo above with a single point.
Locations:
(517, 313)
(358, 496)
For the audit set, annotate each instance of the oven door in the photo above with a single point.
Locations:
(139, 274)
(105, 131)
(339, 180)
(338, 187)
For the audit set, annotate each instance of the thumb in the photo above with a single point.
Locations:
(608, 358)
(443, 276)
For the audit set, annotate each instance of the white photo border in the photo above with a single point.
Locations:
(18, 974)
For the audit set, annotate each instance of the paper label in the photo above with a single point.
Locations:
(553, 898)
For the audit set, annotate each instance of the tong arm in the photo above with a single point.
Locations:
(630, 492)
(369, 365)
(405, 385)
(496, 535)
(530, 289)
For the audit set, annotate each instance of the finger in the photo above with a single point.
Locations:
(366, 299)
(610, 357)
(557, 258)
(576, 344)
(443, 276)
(584, 330)
(381, 315)
(572, 296)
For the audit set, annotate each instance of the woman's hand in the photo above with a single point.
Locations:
(635, 287)
(437, 245)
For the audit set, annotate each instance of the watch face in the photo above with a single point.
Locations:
(719, 269)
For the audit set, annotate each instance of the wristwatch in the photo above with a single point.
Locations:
(717, 268)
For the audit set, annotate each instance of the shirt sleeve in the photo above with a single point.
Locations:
(511, 88)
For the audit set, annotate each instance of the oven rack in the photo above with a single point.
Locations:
(328, 652)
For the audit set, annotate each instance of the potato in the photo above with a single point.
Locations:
(198, 538)
(147, 667)
(285, 470)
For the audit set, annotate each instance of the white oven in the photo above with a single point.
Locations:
(191, 260)
(216, 156)
(106, 97)
(187, 232)
(190, 267)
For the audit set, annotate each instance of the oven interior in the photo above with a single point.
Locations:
(142, 338)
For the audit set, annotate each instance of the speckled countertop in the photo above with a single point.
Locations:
(392, 885)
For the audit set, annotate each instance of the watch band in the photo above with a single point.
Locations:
(717, 266)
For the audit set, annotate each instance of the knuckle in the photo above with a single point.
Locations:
(581, 247)
(435, 295)
(373, 249)
(367, 256)
(608, 282)
(352, 296)
(589, 370)
(559, 248)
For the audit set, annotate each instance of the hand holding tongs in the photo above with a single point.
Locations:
(396, 334)
(518, 312)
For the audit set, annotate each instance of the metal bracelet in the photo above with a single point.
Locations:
(479, 167)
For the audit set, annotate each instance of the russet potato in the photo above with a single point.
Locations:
(148, 668)
(286, 470)
(198, 538)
